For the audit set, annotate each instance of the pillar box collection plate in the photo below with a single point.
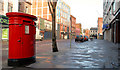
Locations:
(22, 32)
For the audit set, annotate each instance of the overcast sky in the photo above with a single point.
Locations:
(86, 11)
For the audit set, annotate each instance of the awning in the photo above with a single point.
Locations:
(105, 26)
(4, 21)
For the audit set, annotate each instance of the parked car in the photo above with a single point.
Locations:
(85, 38)
(91, 38)
(79, 38)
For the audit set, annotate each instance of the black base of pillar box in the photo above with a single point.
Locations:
(21, 62)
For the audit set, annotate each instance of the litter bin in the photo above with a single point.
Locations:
(22, 32)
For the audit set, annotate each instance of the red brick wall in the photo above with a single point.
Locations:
(87, 33)
(100, 24)
(73, 25)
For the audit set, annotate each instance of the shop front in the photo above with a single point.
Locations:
(4, 29)
(48, 29)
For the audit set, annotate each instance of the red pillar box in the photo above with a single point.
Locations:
(21, 39)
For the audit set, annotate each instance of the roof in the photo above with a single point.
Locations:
(72, 16)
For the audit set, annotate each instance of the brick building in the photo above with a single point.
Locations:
(63, 20)
(100, 26)
(73, 26)
(111, 20)
(41, 10)
(87, 32)
(93, 32)
(13, 6)
(78, 29)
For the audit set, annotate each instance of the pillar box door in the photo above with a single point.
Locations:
(21, 39)
(28, 39)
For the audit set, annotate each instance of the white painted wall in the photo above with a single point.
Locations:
(15, 5)
(110, 33)
(5, 6)
(105, 35)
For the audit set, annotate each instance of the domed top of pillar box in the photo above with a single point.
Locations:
(19, 18)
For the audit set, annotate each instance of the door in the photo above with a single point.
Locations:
(15, 47)
(27, 40)
(47, 35)
(118, 32)
(67, 32)
(114, 33)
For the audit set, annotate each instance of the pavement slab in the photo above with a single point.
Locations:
(89, 54)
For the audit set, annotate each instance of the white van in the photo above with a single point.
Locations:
(39, 36)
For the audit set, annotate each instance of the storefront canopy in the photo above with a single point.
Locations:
(4, 21)
(105, 26)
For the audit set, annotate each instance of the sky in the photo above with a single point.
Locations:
(86, 11)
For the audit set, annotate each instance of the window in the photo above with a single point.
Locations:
(1, 6)
(10, 9)
(113, 7)
(26, 10)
